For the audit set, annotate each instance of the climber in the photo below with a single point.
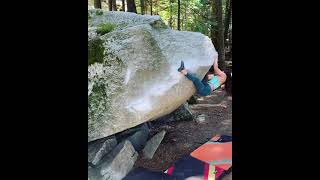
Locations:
(211, 82)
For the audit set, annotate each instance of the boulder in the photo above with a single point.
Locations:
(93, 174)
(121, 136)
(139, 139)
(201, 118)
(117, 164)
(153, 144)
(193, 100)
(132, 69)
(183, 113)
(99, 148)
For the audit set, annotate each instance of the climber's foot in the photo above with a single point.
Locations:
(181, 67)
(184, 71)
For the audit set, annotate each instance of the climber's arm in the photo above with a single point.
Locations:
(220, 74)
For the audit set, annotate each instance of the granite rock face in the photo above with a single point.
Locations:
(132, 69)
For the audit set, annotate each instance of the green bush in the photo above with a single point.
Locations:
(105, 28)
(99, 13)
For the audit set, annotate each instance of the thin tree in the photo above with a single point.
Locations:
(219, 34)
(170, 19)
(123, 6)
(110, 5)
(114, 5)
(151, 7)
(146, 7)
(227, 19)
(142, 6)
(97, 4)
(213, 30)
(179, 9)
(131, 6)
(185, 16)
(157, 7)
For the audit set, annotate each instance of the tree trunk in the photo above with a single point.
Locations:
(123, 6)
(131, 6)
(227, 19)
(185, 16)
(142, 6)
(114, 5)
(179, 9)
(151, 7)
(97, 4)
(157, 7)
(170, 19)
(110, 5)
(219, 35)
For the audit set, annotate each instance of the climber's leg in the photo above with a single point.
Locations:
(203, 89)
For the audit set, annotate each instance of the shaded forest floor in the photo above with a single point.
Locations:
(185, 136)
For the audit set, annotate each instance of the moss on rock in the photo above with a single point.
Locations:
(105, 28)
(95, 51)
(97, 104)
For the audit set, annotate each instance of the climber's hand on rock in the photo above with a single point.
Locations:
(210, 76)
(215, 65)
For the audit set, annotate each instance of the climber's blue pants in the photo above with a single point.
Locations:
(203, 88)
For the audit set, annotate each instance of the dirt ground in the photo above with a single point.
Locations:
(185, 136)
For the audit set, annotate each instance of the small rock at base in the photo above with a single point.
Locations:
(183, 113)
(96, 150)
(153, 144)
(193, 100)
(117, 164)
(201, 118)
(93, 174)
(139, 139)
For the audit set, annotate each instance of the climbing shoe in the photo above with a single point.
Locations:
(181, 66)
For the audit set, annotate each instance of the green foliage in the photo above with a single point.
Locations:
(105, 28)
(99, 12)
(196, 15)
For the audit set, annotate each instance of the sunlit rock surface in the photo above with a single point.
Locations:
(134, 78)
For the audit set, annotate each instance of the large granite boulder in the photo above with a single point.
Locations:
(132, 69)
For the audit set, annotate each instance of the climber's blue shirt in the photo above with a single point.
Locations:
(215, 82)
